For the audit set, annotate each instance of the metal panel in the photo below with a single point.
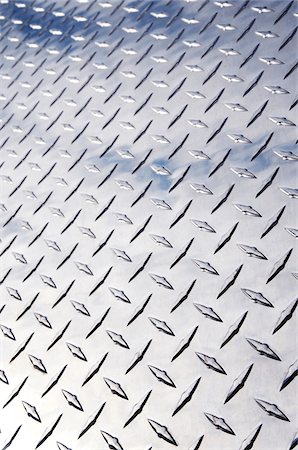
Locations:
(148, 225)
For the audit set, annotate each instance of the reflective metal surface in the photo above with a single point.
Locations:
(148, 225)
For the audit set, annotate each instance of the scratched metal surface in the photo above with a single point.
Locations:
(148, 225)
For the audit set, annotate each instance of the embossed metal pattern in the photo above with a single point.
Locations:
(148, 224)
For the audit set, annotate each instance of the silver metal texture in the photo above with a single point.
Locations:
(148, 224)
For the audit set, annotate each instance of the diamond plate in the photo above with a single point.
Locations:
(148, 224)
